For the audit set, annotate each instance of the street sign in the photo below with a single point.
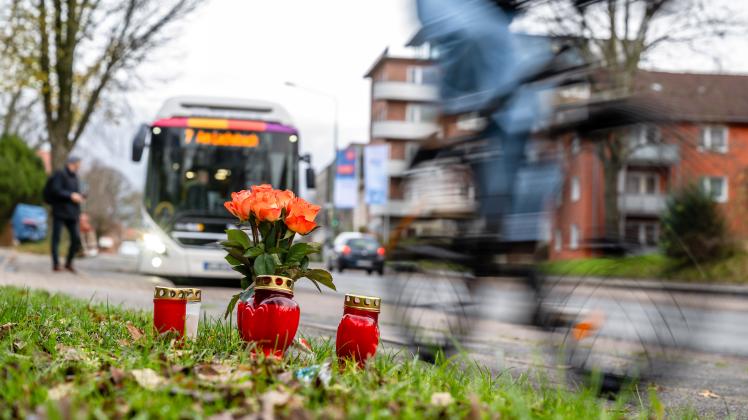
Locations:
(376, 179)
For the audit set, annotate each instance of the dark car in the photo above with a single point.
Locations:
(363, 253)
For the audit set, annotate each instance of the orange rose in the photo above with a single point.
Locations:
(238, 204)
(301, 214)
(261, 188)
(265, 206)
(284, 198)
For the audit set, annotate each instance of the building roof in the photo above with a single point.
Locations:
(697, 96)
(405, 54)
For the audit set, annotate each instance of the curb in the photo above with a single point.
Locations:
(650, 284)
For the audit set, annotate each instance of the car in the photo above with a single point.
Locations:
(353, 250)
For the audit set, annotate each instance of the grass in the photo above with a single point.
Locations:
(62, 357)
(732, 269)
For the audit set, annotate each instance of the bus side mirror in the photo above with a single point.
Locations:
(138, 142)
(311, 178)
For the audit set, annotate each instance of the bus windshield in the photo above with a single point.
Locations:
(191, 172)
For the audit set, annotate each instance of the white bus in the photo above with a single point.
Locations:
(200, 149)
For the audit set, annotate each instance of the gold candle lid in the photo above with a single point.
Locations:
(279, 283)
(364, 303)
(193, 294)
(173, 293)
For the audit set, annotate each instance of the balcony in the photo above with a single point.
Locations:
(404, 91)
(655, 154)
(642, 204)
(403, 130)
(396, 208)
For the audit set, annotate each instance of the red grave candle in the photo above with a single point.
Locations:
(170, 310)
(271, 318)
(358, 332)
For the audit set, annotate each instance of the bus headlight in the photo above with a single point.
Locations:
(154, 243)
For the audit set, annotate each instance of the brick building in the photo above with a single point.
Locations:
(705, 141)
(403, 114)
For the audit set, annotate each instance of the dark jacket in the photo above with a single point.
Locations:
(62, 185)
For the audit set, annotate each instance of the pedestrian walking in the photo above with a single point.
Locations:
(62, 192)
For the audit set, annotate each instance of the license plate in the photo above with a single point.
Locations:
(364, 264)
(216, 266)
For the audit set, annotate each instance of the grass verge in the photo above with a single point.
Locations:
(63, 357)
(733, 269)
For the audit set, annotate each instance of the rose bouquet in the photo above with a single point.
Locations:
(269, 220)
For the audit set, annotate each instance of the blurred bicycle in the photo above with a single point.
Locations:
(486, 218)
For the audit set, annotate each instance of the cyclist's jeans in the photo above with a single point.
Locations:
(496, 177)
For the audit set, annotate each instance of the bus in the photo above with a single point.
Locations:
(200, 149)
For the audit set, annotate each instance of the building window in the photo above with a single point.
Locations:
(648, 134)
(576, 144)
(714, 138)
(421, 113)
(423, 75)
(557, 240)
(575, 192)
(574, 237)
(381, 113)
(645, 233)
(716, 187)
(642, 183)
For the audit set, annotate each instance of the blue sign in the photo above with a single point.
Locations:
(376, 179)
(345, 194)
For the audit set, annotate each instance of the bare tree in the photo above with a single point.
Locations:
(620, 36)
(84, 49)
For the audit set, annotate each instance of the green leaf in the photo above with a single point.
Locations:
(243, 269)
(232, 244)
(254, 251)
(321, 276)
(231, 305)
(246, 281)
(264, 229)
(288, 234)
(240, 236)
(316, 285)
(301, 250)
(304, 263)
(270, 238)
(232, 260)
(264, 265)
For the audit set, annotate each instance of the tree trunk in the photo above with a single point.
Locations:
(59, 147)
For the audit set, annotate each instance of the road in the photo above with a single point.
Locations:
(715, 328)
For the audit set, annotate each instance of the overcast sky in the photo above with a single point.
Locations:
(249, 48)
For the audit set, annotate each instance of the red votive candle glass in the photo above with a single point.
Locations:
(176, 309)
(270, 319)
(358, 332)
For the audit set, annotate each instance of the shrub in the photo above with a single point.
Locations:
(693, 227)
(22, 176)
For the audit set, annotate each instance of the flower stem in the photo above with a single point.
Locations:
(254, 230)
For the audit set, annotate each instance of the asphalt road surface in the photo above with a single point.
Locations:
(713, 329)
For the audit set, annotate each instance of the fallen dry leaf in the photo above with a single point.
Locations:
(224, 375)
(5, 328)
(708, 394)
(441, 399)
(148, 378)
(118, 375)
(122, 342)
(69, 354)
(272, 399)
(134, 331)
(60, 391)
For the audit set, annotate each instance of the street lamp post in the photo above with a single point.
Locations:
(334, 143)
